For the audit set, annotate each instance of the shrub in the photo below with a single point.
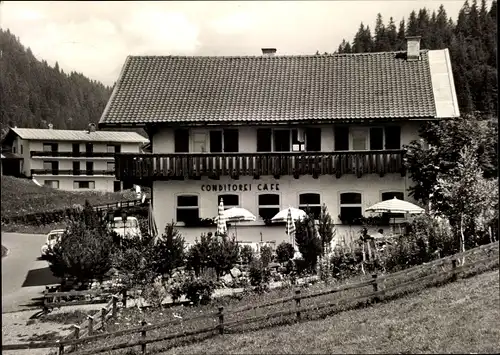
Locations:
(168, 251)
(266, 255)
(284, 252)
(85, 250)
(198, 290)
(346, 262)
(309, 244)
(247, 254)
(220, 253)
(258, 274)
(225, 253)
(199, 255)
(326, 230)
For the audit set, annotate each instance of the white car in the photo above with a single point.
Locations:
(52, 238)
(130, 229)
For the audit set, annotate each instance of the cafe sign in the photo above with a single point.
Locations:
(240, 187)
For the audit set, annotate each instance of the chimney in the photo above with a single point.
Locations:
(51, 126)
(269, 52)
(413, 48)
(91, 128)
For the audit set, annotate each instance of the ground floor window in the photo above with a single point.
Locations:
(310, 203)
(350, 207)
(229, 200)
(84, 185)
(52, 183)
(188, 209)
(389, 196)
(269, 205)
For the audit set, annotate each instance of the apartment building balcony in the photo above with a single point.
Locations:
(36, 154)
(63, 172)
(150, 167)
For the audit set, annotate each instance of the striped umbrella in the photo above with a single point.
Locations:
(290, 227)
(221, 220)
(152, 228)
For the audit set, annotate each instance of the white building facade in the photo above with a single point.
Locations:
(70, 159)
(268, 132)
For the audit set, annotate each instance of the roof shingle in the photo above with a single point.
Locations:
(153, 89)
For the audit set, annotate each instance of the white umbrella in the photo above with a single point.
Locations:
(237, 214)
(282, 215)
(395, 206)
(221, 221)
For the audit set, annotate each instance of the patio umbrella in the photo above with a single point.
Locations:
(290, 227)
(282, 215)
(237, 214)
(152, 228)
(289, 216)
(395, 206)
(221, 220)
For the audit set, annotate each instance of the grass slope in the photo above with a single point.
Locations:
(460, 317)
(22, 196)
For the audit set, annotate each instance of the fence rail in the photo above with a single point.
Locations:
(379, 291)
(139, 167)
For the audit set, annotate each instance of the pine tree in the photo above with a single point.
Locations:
(412, 27)
(392, 35)
(381, 43)
(401, 40)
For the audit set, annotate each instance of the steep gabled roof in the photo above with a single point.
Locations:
(77, 136)
(173, 89)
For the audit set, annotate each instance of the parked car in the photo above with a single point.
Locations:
(130, 229)
(52, 238)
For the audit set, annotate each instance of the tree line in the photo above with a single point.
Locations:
(471, 40)
(34, 94)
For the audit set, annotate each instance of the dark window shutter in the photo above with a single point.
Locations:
(376, 138)
(231, 141)
(341, 138)
(181, 140)
(393, 137)
(215, 141)
(313, 139)
(264, 139)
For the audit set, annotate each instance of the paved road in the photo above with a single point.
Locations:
(23, 276)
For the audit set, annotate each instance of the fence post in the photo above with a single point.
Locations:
(104, 312)
(143, 335)
(375, 288)
(45, 308)
(77, 335)
(91, 325)
(297, 303)
(124, 297)
(221, 320)
(115, 305)
(454, 266)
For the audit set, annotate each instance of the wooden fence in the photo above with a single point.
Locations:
(60, 299)
(41, 218)
(401, 281)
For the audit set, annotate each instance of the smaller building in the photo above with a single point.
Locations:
(68, 159)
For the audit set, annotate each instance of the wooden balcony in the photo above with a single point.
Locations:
(72, 154)
(149, 167)
(71, 172)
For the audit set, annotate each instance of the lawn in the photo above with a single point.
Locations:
(23, 196)
(343, 301)
(461, 317)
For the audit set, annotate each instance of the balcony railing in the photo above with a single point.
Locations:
(72, 154)
(134, 167)
(71, 172)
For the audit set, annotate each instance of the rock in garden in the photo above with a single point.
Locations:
(235, 272)
(227, 279)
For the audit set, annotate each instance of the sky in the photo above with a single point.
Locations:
(95, 37)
